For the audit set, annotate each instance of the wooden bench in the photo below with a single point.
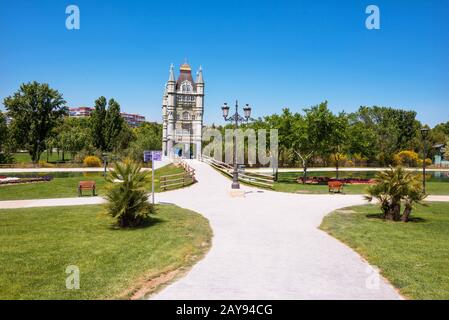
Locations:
(86, 185)
(335, 186)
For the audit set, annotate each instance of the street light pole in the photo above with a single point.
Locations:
(236, 118)
(424, 133)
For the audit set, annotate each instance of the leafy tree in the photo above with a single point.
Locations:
(5, 156)
(446, 150)
(443, 127)
(337, 140)
(114, 124)
(3, 131)
(35, 109)
(71, 135)
(394, 130)
(392, 187)
(303, 142)
(127, 200)
(98, 124)
(147, 137)
(361, 139)
(323, 130)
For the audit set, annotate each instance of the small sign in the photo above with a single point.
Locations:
(152, 156)
(156, 155)
(146, 156)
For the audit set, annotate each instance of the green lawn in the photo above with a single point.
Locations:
(37, 245)
(24, 157)
(287, 183)
(65, 185)
(414, 256)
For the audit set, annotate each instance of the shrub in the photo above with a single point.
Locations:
(393, 187)
(92, 161)
(126, 195)
(6, 158)
(407, 158)
(428, 162)
(45, 164)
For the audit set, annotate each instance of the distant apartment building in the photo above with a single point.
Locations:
(133, 120)
(80, 112)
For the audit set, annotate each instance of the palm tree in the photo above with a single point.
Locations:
(394, 186)
(127, 199)
(415, 195)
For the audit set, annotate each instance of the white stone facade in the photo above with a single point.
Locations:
(182, 114)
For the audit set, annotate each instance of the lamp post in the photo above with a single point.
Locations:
(105, 163)
(424, 134)
(236, 118)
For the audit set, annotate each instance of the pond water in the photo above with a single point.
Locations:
(434, 176)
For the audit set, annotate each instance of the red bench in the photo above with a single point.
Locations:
(335, 186)
(86, 185)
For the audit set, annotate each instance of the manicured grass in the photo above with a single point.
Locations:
(24, 157)
(38, 244)
(287, 183)
(413, 256)
(65, 187)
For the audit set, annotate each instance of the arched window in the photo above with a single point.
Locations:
(186, 87)
(185, 116)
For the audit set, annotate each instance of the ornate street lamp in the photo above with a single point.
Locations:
(236, 118)
(424, 134)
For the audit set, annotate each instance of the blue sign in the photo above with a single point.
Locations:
(146, 156)
(152, 156)
(156, 155)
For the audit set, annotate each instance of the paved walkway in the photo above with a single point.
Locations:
(267, 246)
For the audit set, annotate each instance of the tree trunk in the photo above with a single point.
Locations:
(337, 168)
(304, 176)
(406, 215)
(393, 212)
(397, 212)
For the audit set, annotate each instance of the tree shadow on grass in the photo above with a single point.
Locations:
(146, 224)
(380, 216)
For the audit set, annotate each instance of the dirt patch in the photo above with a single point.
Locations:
(152, 285)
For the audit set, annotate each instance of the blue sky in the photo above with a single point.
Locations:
(271, 54)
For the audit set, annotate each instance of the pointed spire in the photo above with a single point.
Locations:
(199, 75)
(172, 73)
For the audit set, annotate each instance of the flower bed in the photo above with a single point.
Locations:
(8, 180)
(326, 180)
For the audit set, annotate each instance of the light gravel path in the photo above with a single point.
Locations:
(268, 246)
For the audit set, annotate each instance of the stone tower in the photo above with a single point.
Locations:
(182, 113)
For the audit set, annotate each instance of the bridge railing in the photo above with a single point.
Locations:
(256, 179)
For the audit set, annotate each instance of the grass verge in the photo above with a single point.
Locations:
(38, 244)
(66, 187)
